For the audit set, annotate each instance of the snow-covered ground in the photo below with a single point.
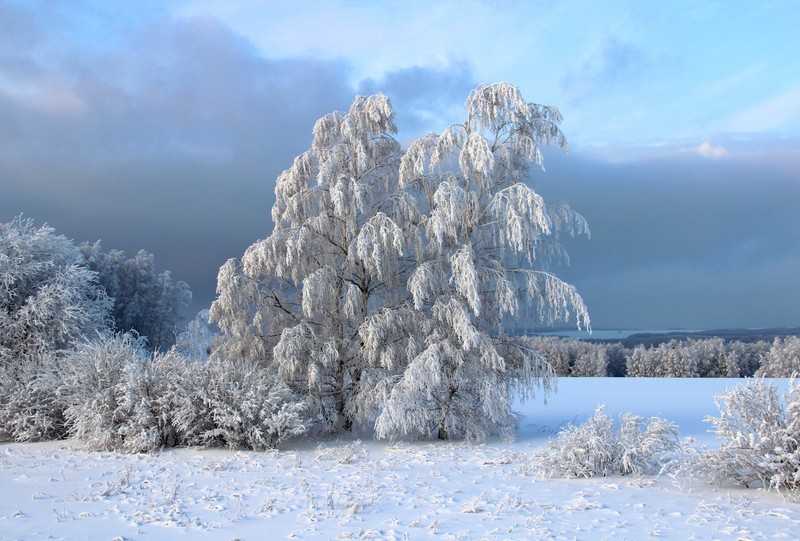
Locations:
(350, 489)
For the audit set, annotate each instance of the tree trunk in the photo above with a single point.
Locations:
(443, 435)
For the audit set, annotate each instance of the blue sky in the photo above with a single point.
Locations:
(634, 73)
(162, 125)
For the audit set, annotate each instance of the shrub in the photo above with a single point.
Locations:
(31, 408)
(118, 395)
(759, 434)
(236, 404)
(123, 398)
(597, 448)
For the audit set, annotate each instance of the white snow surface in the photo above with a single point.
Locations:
(347, 488)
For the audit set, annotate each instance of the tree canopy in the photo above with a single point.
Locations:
(383, 291)
(48, 298)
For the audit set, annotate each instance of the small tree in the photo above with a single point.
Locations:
(48, 298)
(484, 240)
(196, 341)
(146, 302)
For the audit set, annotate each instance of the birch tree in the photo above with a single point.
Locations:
(337, 252)
(484, 241)
(383, 290)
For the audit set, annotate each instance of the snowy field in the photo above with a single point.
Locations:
(350, 489)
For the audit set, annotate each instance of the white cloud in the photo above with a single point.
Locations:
(707, 150)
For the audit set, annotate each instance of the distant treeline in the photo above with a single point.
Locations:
(668, 356)
(729, 335)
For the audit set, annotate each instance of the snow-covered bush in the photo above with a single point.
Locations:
(760, 435)
(31, 408)
(122, 397)
(596, 447)
(118, 395)
(236, 404)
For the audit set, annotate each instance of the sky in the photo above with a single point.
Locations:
(162, 125)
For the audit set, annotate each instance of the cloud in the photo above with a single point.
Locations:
(425, 98)
(679, 240)
(183, 127)
(707, 150)
(614, 64)
(172, 143)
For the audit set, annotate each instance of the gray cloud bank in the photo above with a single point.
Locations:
(685, 241)
(170, 140)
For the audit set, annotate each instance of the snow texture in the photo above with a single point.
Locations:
(350, 489)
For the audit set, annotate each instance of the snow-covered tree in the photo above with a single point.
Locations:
(385, 285)
(484, 240)
(782, 360)
(570, 357)
(617, 359)
(591, 360)
(196, 341)
(640, 363)
(335, 256)
(743, 359)
(146, 302)
(558, 352)
(710, 355)
(676, 359)
(48, 298)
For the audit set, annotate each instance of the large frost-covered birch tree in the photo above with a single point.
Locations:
(485, 238)
(301, 295)
(383, 291)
